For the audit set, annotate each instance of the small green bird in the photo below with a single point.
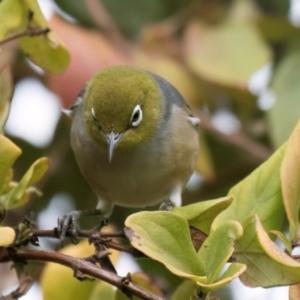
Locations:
(134, 138)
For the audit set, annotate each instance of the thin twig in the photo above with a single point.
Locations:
(85, 267)
(107, 25)
(28, 32)
(239, 139)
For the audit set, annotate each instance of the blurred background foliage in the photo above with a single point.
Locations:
(236, 62)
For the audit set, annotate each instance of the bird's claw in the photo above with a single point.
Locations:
(69, 222)
(168, 206)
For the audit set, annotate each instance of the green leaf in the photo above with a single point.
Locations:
(218, 247)
(103, 290)
(13, 18)
(284, 116)
(45, 50)
(259, 193)
(227, 53)
(290, 179)
(165, 237)
(7, 236)
(143, 281)
(267, 265)
(6, 91)
(185, 289)
(8, 154)
(18, 196)
(283, 239)
(201, 215)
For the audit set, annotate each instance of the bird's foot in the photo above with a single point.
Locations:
(68, 223)
(168, 206)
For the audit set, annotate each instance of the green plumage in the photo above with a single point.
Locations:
(152, 159)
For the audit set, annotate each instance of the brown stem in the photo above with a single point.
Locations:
(85, 267)
(239, 139)
(28, 32)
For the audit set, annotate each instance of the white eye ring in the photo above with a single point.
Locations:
(137, 116)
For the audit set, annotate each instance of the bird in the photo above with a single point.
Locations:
(134, 138)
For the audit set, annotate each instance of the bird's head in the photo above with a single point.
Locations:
(122, 107)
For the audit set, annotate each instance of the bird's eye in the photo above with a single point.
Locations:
(95, 119)
(137, 116)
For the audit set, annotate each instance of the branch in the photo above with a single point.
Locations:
(28, 32)
(239, 139)
(81, 265)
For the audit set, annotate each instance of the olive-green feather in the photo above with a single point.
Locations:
(113, 93)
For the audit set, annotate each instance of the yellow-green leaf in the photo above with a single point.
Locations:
(185, 290)
(267, 265)
(45, 50)
(13, 17)
(284, 115)
(18, 196)
(165, 237)
(218, 247)
(6, 91)
(226, 53)
(290, 179)
(283, 239)
(8, 154)
(201, 215)
(102, 290)
(7, 236)
(259, 193)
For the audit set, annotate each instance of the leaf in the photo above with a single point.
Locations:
(218, 247)
(201, 215)
(18, 196)
(284, 116)
(294, 292)
(12, 16)
(283, 239)
(102, 290)
(259, 193)
(143, 281)
(45, 50)
(227, 53)
(290, 179)
(7, 236)
(165, 237)
(8, 154)
(267, 265)
(6, 91)
(185, 289)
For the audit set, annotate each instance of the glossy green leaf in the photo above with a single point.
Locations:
(18, 196)
(267, 265)
(7, 236)
(165, 237)
(259, 193)
(227, 53)
(290, 180)
(143, 281)
(201, 215)
(6, 91)
(9, 152)
(283, 239)
(285, 114)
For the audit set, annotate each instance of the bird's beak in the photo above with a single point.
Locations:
(113, 140)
